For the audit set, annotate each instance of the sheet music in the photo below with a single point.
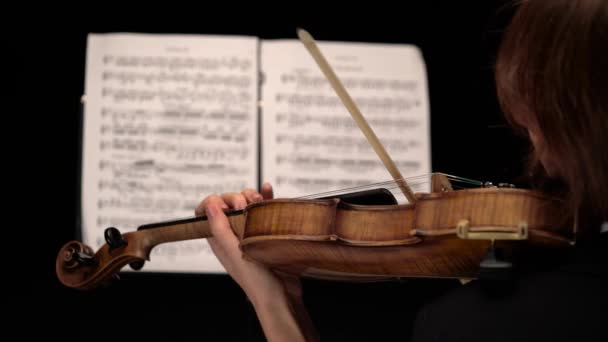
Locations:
(311, 143)
(169, 119)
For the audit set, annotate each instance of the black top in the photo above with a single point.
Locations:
(567, 301)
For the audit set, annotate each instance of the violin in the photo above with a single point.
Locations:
(445, 233)
(356, 236)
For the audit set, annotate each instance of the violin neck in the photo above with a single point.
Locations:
(183, 229)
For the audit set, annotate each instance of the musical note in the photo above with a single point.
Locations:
(346, 165)
(185, 79)
(142, 96)
(184, 114)
(372, 104)
(177, 63)
(338, 143)
(330, 122)
(303, 81)
(166, 124)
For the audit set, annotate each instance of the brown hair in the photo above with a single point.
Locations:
(552, 72)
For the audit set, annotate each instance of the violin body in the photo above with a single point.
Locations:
(444, 234)
(335, 240)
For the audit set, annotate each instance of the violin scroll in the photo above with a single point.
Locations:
(77, 266)
(74, 254)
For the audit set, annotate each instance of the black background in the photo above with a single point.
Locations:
(45, 68)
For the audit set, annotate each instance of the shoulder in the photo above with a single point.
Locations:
(567, 303)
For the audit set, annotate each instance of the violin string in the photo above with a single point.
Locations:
(390, 187)
(347, 190)
(396, 188)
(394, 185)
(386, 185)
(358, 188)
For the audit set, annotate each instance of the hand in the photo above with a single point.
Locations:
(256, 280)
(277, 300)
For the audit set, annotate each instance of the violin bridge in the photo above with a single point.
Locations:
(465, 231)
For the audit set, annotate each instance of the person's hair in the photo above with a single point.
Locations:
(552, 72)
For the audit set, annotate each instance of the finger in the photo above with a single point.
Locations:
(223, 236)
(235, 200)
(215, 198)
(252, 195)
(267, 191)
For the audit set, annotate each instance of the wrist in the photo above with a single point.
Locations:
(265, 300)
(277, 316)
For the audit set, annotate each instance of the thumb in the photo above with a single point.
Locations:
(219, 224)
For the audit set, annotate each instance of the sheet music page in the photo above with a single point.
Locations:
(312, 144)
(169, 119)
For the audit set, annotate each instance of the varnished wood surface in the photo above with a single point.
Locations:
(439, 257)
(384, 242)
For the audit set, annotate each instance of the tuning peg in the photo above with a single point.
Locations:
(84, 259)
(137, 265)
(75, 254)
(114, 238)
